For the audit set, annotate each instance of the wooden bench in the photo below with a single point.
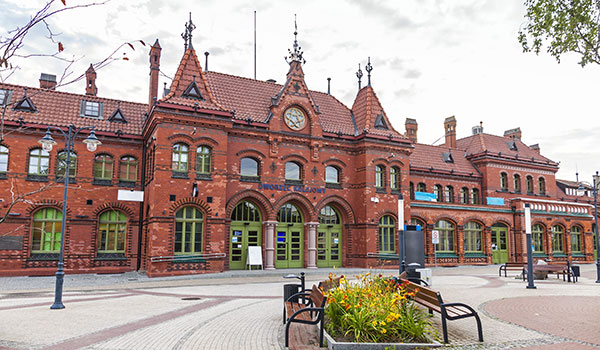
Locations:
(311, 312)
(558, 269)
(449, 311)
(512, 266)
(329, 284)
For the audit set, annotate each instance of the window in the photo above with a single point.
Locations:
(517, 182)
(475, 196)
(91, 109)
(5, 96)
(188, 230)
(61, 164)
(464, 195)
(542, 185)
(246, 211)
(47, 226)
(537, 235)
(180, 157)
(203, 160)
(379, 176)
(421, 187)
(446, 234)
(3, 159)
(576, 239)
(449, 194)
(529, 181)
(292, 171)
(128, 169)
(503, 182)
(387, 234)
(473, 236)
(412, 191)
(332, 175)
(395, 178)
(329, 216)
(290, 214)
(39, 161)
(103, 167)
(557, 239)
(437, 190)
(249, 167)
(112, 230)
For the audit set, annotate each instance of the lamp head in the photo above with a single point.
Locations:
(92, 141)
(47, 141)
(580, 190)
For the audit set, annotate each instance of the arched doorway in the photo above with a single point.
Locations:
(289, 246)
(499, 243)
(329, 238)
(245, 231)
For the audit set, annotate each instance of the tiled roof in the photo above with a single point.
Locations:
(498, 145)
(63, 108)
(432, 157)
(367, 109)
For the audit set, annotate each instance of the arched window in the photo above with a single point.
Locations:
(45, 235)
(39, 161)
(395, 178)
(437, 190)
(542, 185)
(329, 216)
(61, 164)
(421, 187)
(112, 231)
(557, 239)
(529, 181)
(446, 234)
(103, 167)
(449, 194)
(415, 221)
(188, 230)
(379, 176)
(293, 171)
(537, 236)
(203, 160)
(332, 175)
(3, 159)
(412, 191)
(288, 213)
(464, 195)
(248, 167)
(503, 182)
(180, 157)
(387, 234)
(576, 239)
(475, 196)
(517, 182)
(129, 167)
(246, 211)
(473, 236)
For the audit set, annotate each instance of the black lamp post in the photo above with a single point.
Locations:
(47, 142)
(580, 191)
(530, 284)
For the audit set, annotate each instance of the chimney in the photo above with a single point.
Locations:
(411, 127)
(536, 148)
(154, 70)
(513, 133)
(47, 81)
(90, 81)
(450, 132)
(477, 129)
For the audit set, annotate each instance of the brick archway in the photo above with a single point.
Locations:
(256, 198)
(341, 205)
(307, 209)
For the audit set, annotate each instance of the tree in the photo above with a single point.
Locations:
(563, 26)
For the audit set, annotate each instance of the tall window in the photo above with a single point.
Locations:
(332, 175)
(292, 171)
(449, 194)
(421, 187)
(464, 195)
(503, 182)
(188, 230)
(542, 185)
(537, 235)
(379, 176)
(557, 239)
(412, 191)
(103, 167)
(112, 230)
(61, 164)
(246, 211)
(203, 160)
(576, 239)
(473, 236)
(437, 190)
(39, 161)
(446, 234)
(47, 225)
(3, 159)
(128, 169)
(517, 182)
(529, 182)
(180, 157)
(475, 196)
(249, 167)
(395, 178)
(387, 234)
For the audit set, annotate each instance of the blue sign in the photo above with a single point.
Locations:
(425, 196)
(495, 201)
(287, 188)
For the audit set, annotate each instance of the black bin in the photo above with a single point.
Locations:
(289, 290)
(575, 269)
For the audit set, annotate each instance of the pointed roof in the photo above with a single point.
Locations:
(90, 69)
(370, 116)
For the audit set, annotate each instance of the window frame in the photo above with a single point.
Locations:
(119, 231)
(204, 160)
(85, 110)
(529, 183)
(537, 238)
(541, 185)
(421, 187)
(38, 164)
(464, 195)
(438, 191)
(447, 237)
(473, 235)
(449, 194)
(475, 196)
(517, 183)
(558, 236)
(126, 162)
(257, 168)
(41, 216)
(182, 223)
(379, 176)
(576, 244)
(4, 153)
(180, 150)
(337, 174)
(61, 160)
(298, 168)
(395, 178)
(104, 165)
(387, 234)
(503, 181)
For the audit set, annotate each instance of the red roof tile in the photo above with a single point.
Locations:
(366, 110)
(493, 144)
(427, 157)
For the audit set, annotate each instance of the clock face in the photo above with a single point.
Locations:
(294, 118)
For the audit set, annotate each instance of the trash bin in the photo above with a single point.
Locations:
(576, 271)
(289, 290)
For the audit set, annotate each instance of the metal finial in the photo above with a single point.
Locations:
(359, 75)
(187, 35)
(369, 68)
(328, 86)
(206, 60)
(296, 55)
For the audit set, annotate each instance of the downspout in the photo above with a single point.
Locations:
(514, 229)
(141, 223)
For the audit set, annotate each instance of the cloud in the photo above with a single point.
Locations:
(412, 74)
(390, 16)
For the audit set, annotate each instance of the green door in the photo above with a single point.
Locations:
(289, 238)
(329, 238)
(245, 231)
(499, 244)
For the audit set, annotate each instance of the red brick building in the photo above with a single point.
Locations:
(224, 163)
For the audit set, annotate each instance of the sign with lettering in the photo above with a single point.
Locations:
(435, 237)
(288, 188)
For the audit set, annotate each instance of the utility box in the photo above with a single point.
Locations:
(425, 275)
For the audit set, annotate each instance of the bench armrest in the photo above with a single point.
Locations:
(307, 295)
(443, 305)
(307, 309)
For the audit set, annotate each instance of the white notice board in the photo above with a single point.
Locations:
(254, 257)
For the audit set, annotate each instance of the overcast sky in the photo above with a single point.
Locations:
(431, 60)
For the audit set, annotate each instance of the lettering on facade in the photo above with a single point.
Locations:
(288, 188)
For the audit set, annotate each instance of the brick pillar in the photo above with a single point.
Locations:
(460, 243)
(270, 244)
(312, 245)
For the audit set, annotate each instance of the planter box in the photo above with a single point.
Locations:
(334, 345)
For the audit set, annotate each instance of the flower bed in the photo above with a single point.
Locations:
(376, 309)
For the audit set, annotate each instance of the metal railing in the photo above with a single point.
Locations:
(187, 257)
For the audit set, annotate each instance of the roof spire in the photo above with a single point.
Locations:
(187, 35)
(369, 68)
(359, 75)
(296, 55)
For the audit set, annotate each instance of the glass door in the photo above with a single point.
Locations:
(499, 244)
(245, 231)
(329, 238)
(289, 237)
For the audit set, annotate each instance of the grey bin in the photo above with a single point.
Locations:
(289, 290)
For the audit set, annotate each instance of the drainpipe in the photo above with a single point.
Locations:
(141, 223)
(514, 229)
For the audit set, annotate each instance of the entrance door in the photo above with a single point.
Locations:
(499, 244)
(245, 231)
(329, 238)
(289, 236)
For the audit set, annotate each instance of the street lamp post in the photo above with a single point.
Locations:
(530, 284)
(580, 191)
(47, 142)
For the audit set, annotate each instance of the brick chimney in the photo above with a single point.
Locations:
(90, 81)
(411, 127)
(154, 70)
(47, 81)
(450, 132)
(535, 147)
(513, 133)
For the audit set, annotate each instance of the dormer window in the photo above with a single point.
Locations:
(25, 105)
(380, 122)
(193, 91)
(512, 145)
(91, 109)
(447, 157)
(117, 116)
